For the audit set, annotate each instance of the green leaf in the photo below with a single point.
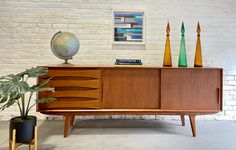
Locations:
(8, 104)
(34, 72)
(12, 88)
(45, 100)
(2, 107)
(40, 84)
(47, 89)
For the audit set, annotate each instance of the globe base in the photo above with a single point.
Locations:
(66, 61)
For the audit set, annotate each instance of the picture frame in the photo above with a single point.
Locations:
(128, 27)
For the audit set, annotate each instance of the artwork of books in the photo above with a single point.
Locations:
(128, 27)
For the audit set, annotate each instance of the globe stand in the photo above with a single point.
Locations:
(66, 61)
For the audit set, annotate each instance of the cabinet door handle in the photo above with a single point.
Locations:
(218, 95)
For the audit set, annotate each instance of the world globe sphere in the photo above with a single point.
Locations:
(65, 45)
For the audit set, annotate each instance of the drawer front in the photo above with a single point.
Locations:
(74, 72)
(70, 104)
(88, 93)
(74, 88)
(92, 83)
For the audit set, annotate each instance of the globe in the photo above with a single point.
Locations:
(64, 45)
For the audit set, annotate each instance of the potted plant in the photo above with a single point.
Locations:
(15, 89)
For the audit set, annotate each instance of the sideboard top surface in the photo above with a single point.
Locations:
(122, 66)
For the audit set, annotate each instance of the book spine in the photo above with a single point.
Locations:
(126, 63)
(129, 60)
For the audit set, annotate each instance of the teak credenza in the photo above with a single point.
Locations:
(132, 90)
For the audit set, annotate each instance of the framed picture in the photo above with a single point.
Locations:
(128, 27)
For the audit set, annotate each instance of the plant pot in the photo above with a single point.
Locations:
(24, 128)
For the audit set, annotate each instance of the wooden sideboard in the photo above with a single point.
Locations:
(132, 90)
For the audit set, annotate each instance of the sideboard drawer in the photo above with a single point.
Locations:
(72, 104)
(88, 93)
(74, 72)
(74, 88)
(92, 83)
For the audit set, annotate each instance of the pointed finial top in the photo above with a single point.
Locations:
(198, 28)
(168, 28)
(182, 28)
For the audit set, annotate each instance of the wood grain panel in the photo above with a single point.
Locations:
(127, 111)
(92, 83)
(71, 104)
(192, 89)
(131, 88)
(71, 93)
(73, 72)
(75, 87)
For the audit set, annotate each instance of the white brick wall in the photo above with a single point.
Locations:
(26, 28)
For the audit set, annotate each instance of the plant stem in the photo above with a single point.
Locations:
(23, 104)
(23, 100)
(27, 109)
(31, 107)
(26, 79)
(21, 113)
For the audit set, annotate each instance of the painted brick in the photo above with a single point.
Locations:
(227, 88)
(26, 28)
(232, 93)
(230, 103)
(230, 112)
(229, 77)
(228, 107)
(231, 82)
(60, 26)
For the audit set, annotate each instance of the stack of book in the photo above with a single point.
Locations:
(128, 62)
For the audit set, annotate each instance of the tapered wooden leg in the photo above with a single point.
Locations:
(67, 124)
(182, 120)
(72, 120)
(193, 125)
(29, 146)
